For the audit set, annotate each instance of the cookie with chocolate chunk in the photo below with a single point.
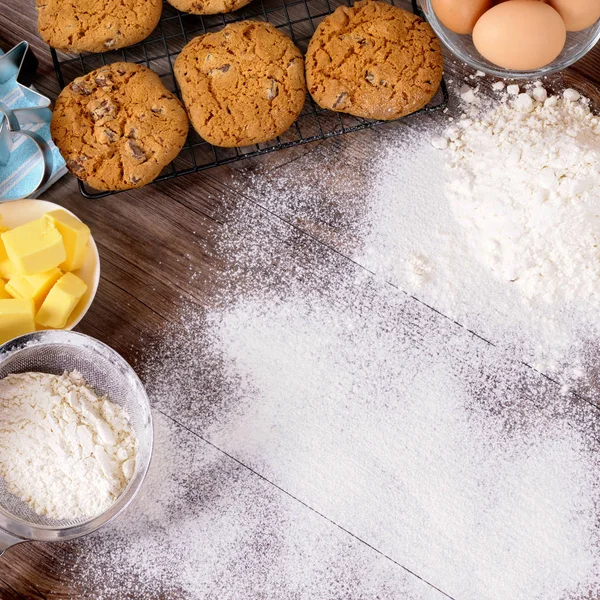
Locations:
(208, 7)
(118, 126)
(241, 85)
(373, 60)
(96, 26)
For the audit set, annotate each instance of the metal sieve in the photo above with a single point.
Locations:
(107, 373)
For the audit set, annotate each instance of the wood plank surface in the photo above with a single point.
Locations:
(147, 241)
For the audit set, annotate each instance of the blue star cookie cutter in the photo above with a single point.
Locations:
(15, 131)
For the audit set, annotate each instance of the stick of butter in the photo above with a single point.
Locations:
(75, 235)
(35, 247)
(35, 286)
(16, 318)
(61, 301)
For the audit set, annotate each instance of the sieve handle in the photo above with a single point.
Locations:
(7, 540)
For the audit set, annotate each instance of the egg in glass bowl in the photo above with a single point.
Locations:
(516, 39)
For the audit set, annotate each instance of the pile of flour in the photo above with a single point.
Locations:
(498, 230)
(64, 451)
(524, 183)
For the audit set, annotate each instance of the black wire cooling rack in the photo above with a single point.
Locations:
(297, 18)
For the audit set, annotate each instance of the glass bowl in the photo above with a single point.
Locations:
(108, 373)
(578, 45)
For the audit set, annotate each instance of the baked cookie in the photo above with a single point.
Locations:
(118, 126)
(241, 85)
(373, 60)
(96, 25)
(208, 7)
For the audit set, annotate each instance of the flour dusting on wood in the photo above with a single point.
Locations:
(411, 457)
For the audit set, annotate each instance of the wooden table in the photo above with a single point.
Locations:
(162, 225)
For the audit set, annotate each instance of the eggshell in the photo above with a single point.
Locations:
(577, 14)
(520, 35)
(460, 16)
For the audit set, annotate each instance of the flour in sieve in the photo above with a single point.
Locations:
(64, 451)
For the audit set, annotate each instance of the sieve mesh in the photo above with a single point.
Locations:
(107, 373)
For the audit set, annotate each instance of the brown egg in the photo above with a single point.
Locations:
(577, 14)
(460, 16)
(520, 35)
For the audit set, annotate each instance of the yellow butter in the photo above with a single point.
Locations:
(35, 286)
(16, 318)
(75, 235)
(7, 267)
(35, 247)
(61, 301)
(3, 293)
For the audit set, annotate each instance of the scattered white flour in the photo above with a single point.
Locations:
(204, 527)
(375, 426)
(401, 427)
(411, 459)
(64, 451)
(387, 419)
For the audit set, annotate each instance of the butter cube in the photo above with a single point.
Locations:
(61, 301)
(3, 293)
(16, 318)
(75, 235)
(7, 267)
(35, 286)
(35, 247)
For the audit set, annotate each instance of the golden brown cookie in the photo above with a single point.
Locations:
(208, 7)
(96, 25)
(373, 60)
(118, 126)
(241, 85)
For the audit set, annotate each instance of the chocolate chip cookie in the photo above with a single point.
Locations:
(118, 126)
(96, 26)
(373, 60)
(241, 85)
(208, 7)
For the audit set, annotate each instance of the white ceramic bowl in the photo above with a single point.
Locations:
(578, 45)
(20, 212)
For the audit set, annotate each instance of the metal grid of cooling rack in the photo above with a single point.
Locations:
(297, 18)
